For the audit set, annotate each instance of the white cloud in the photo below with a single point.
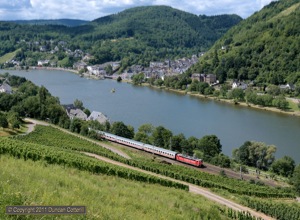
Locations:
(92, 9)
(262, 3)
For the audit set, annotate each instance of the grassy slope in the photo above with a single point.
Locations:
(9, 131)
(8, 56)
(36, 183)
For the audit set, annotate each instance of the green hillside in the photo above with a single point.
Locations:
(8, 57)
(157, 32)
(265, 47)
(163, 26)
(135, 36)
(105, 197)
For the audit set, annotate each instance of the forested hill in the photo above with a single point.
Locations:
(155, 32)
(65, 22)
(163, 26)
(265, 47)
(136, 36)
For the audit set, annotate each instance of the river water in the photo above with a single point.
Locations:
(137, 105)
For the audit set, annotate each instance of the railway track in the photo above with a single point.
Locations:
(208, 168)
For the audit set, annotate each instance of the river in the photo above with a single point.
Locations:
(192, 116)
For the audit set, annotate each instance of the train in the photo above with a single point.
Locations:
(151, 149)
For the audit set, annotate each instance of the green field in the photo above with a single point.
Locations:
(293, 106)
(37, 183)
(8, 56)
(9, 131)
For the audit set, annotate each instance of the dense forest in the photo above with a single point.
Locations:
(265, 47)
(134, 36)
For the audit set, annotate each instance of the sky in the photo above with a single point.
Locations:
(93, 9)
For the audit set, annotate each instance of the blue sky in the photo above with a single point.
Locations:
(92, 9)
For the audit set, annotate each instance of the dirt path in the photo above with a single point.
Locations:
(192, 188)
(31, 124)
(34, 122)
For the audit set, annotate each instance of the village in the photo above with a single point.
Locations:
(157, 70)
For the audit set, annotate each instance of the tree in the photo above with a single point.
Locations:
(158, 82)
(109, 69)
(273, 90)
(255, 154)
(78, 104)
(284, 166)
(3, 121)
(5, 101)
(177, 142)
(43, 93)
(144, 133)
(87, 112)
(221, 160)
(209, 90)
(75, 125)
(54, 112)
(162, 137)
(84, 129)
(296, 179)
(281, 103)
(138, 79)
(120, 129)
(202, 87)
(64, 121)
(119, 79)
(142, 137)
(241, 154)
(31, 107)
(192, 143)
(210, 145)
(14, 119)
(146, 128)
(224, 89)
(238, 94)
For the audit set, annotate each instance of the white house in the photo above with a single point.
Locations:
(98, 116)
(74, 112)
(5, 88)
(43, 62)
(240, 85)
(288, 86)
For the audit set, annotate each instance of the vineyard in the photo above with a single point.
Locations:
(106, 197)
(277, 210)
(50, 136)
(45, 135)
(55, 155)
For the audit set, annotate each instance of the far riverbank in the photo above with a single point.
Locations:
(53, 68)
(228, 101)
